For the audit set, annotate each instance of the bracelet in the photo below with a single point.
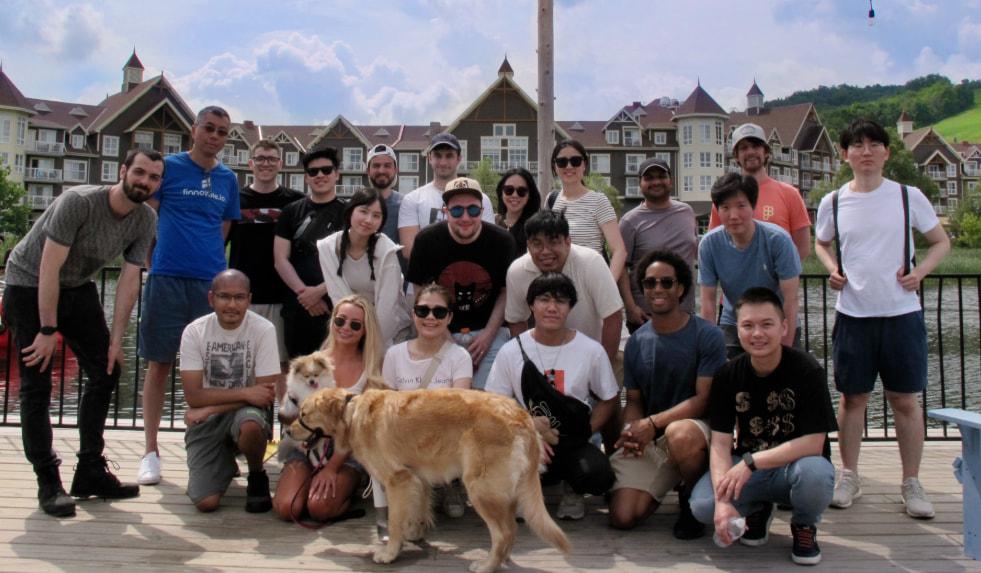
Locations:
(653, 425)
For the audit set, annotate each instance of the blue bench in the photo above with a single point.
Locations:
(967, 470)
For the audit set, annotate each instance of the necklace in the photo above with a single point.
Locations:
(550, 373)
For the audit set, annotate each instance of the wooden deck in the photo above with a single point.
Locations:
(161, 531)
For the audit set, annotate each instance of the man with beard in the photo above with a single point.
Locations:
(383, 174)
(49, 290)
(658, 224)
(778, 203)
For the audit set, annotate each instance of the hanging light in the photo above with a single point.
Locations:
(871, 15)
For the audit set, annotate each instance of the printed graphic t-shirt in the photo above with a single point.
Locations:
(230, 358)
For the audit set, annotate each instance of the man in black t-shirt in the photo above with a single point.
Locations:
(251, 238)
(301, 224)
(471, 260)
(777, 399)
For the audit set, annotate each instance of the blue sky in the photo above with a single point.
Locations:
(415, 61)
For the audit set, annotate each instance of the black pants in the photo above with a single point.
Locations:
(302, 333)
(583, 467)
(82, 323)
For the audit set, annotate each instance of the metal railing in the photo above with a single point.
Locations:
(46, 147)
(951, 303)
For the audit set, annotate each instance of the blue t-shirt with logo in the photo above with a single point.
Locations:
(193, 205)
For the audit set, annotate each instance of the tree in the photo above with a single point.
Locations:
(966, 221)
(596, 182)
(14, 214)
(488, 178)
(899, 167)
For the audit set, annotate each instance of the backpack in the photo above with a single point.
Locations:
(566, 414)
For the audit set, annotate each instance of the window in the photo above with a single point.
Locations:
(110, 147)
(490, 149)
(686, 136)
(76, 171)
(110, 171)
(612, 136)
(4, 159)
(408, 183)
(718, 133)
(21, 130)
(686, 159)
(705, 159)
(517, 157)
(243, 156)
(409, 162)
(718, 161)
(171, 143)
(705, 183)
(971, 185)
(5, 131)
(353, 159)
(660, 138)
(951, 188)
(599, 162)
(228, 156)
(633, 187)
(951, 170)
(952, 204)
(143, 139)
(687, 186)
(296, 182)
(664, 156)
(505, 130)
(933, 170)
(705, 133)
(631, 136)
(633, 162)
(249, 179)
(78, 140)
(292, 158)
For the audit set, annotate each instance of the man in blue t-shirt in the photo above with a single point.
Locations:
(745, 253)
(196, 204)
(668, 367)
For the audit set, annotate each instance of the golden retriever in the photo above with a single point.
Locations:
(412, 440)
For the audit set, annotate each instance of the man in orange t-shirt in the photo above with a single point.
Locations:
(778, 203)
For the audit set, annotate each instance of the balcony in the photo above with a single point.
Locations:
(357, 166)
(38, 202)
(45, 175)
(972, 171)
(46, 148)
(501, 166)
(937, 175)
(347, 190)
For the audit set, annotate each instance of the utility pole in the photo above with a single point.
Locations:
(546, 96)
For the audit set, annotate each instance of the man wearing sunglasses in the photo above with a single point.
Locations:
(668, 367)
(424, 206)
(471, 260)
(307, 308)
(659, 223)
(229, 367)
(197, 202)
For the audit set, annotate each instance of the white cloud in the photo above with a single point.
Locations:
(74, 32)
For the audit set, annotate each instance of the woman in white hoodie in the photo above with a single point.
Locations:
(359, 259)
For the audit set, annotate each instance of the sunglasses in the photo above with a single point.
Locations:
(511, 190)
(211, 129)
(340, 321)
(563, 162)
(439, 312)
(652, 282)
(326, 170)
(473, 210)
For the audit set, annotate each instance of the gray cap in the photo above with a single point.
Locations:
(447, 139)
(748, 131)
(654, 163)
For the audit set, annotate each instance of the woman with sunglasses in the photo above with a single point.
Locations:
(517, 199)
(591, 216)
(360, 259)
(353, 347)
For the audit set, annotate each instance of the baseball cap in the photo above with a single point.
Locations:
(748, 131)
(447, 139)
(654, 163)
(462, 185)
(381, 149)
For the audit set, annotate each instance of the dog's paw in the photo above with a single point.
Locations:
(415, 531)
(385, 554)
(485, 566)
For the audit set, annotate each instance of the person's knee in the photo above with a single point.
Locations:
(684, 440)
(251, 431)
(208, 504)
(813, 478)
(622, 517)
(702, 502)
(854, 402)
(903, 404)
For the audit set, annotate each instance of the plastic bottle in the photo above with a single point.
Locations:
(463, 338)
(736, 527)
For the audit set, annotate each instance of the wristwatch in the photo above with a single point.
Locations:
(748, 460)
(48, 330)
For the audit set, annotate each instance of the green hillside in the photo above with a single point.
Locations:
(965, 126)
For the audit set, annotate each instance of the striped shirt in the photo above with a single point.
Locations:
(585, 215)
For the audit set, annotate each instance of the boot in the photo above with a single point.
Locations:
(93, 479)
(51, 496)
(257, 498)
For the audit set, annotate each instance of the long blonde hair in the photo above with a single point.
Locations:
(370, 344)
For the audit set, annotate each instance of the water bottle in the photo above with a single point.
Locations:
(736, 527)
(463, 338)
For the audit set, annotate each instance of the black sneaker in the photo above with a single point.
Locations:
(53, 500)
(257, 498)
(687, 527)
(758, 527)
(806, 550)
(93, 479)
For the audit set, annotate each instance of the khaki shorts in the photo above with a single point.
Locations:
(652, 472)
(273, 313)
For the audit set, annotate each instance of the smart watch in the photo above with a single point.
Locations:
(48, 330)
(748, 460)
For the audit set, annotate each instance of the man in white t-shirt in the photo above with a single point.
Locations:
(424, 206)
(576, 366)
(879, 327)
(229, 367)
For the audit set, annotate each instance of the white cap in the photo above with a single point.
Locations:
(748, 131)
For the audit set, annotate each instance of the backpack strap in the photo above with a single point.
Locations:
(522, 348)
(834, 216)
(434, 363)
(550, 200)
(907, 231)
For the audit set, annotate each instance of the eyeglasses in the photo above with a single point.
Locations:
(563, 162)
(870, 145)
(652, 282)
(473, 210)
(227, 297)
(265, 159)
(439, 312)
(326, 170)
(511, 190)
(340, 321)
(211, 129)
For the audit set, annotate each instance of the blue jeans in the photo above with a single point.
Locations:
(807, 484)
(483, 370)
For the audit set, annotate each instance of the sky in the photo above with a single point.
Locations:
(416, 61)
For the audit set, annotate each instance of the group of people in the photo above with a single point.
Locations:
(431, 289)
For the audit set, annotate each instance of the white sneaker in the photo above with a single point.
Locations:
(149, 469)
(572, 506)
(917, 505)
(847, 490)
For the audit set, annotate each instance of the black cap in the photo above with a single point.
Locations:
(654, 163)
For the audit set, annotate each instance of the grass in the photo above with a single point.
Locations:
(959, 261)
(965, 126)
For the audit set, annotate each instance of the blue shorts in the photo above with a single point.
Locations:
(169, 304)
(892, 347)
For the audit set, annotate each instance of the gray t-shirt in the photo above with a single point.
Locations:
(80, 218)
(672, 229)
(768, 259)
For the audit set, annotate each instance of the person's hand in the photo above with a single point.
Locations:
(636, 436)
(545, 430)
(480, 345)
(324, 483)
(910, 281)
(731, 484)
(837, 281)
(261, 395)
(308, 297)
(319, 308)
(547, 453)
(195, 416)
(724, 511)
(39, 353)
(115, 356)
(636, 315)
